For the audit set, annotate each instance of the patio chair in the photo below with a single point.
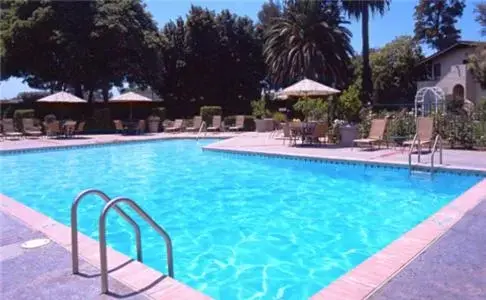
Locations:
(28, 128)
(140, 127)
(80, 127)
(9, 130)
(286, 132)
(376, 135)
(215, 124)
(320, 131)
(239, 124)
(177, 126)
(53, 129)
(196, 124)
(119, 126)
(423, 134)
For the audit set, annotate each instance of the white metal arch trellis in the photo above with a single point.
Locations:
(429, 100)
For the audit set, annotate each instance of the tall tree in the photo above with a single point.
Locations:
(361, 9)
(308, 41)
(225, 52)
(268, 13)
(480, 11)
(477, 65)
(83, 45)
(435, 22)
(395, 71)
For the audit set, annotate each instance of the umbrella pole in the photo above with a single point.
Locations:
(130, 111)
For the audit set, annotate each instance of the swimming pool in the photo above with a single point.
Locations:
(242, 226)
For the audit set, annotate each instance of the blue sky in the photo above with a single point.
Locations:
(397, 21)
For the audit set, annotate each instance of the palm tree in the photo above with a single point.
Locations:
(360, 9)
(308, 41)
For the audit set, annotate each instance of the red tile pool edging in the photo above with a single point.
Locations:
(135, 275)
(369, 276)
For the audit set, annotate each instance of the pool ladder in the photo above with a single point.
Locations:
(113, 204)
(437, 143)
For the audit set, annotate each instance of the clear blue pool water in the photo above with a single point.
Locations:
(243, 227)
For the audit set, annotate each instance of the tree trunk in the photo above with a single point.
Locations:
(90, 96)
(78, 90)
(106, 94)
(367, 83)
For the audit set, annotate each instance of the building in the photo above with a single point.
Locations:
(448, 70)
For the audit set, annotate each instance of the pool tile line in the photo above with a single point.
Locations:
(135, 275)
(375, 272)
(347, 161)
(98, 143)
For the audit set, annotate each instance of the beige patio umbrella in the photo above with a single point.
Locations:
(129, 97)
(307, 87)
(61, 97)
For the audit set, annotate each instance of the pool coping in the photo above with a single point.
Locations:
(368, 277)
(348, 160)
(135, 275)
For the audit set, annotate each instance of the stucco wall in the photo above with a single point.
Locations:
(453, 72)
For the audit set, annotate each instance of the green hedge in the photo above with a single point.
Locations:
(249, 124)
(20, 114)
(159, 112)
(207, 113)
(101, 121)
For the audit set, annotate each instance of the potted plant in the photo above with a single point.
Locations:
(263, 118)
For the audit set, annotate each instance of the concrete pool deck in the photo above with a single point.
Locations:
(366, 279)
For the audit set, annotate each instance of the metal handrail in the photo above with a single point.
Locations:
(74, 226)
(438, 139)
(102, 233)
(203, 125)
(410, 152)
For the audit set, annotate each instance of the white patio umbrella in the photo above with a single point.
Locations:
(129, 97)
(307, 87)
(61, 97)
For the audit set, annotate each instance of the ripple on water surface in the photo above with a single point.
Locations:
(243, 227)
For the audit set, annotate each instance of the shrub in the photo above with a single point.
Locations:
(349, 104)
(101, 120)
(259, 109)
(159, 112)
(312, 109)
(249, 124)
(207, 113)
(401, 124)
(20, 114)
(279, 117)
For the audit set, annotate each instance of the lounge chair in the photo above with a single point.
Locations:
(216, 124)
(423, 134)
(376, 135)
(196, 124)
(177, 126)
(28, 128)
(53, 128)
(239, 124)
(9, 130)
(119, 126)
